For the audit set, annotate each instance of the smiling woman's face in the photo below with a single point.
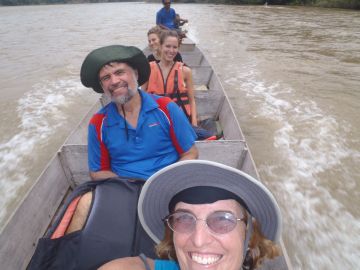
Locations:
(169, 48)
(154, 41)
(203, 249)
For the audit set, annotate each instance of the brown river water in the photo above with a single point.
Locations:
(291, 73)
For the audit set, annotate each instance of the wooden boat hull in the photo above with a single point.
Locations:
(69, 168)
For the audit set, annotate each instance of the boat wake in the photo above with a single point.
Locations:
(308, 175)
(44, 114)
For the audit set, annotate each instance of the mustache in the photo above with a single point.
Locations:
(118, 85)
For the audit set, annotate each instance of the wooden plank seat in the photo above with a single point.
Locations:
(74, 157)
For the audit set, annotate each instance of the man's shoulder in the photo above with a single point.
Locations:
(172, 12)
(98, 117)
(156, 98)
(153, 101)
(161, 11)
(162, 101)
(105, 109)
(148, 99)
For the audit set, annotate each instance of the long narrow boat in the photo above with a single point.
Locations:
(68, 167)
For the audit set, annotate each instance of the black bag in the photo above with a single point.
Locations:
(112, 229)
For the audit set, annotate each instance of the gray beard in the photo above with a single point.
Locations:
(121, 100)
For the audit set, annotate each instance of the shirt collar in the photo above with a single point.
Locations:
(148, 103)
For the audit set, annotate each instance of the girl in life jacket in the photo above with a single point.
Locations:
(171, 78)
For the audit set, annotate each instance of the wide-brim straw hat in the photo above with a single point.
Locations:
(161, 187)
(96, 59)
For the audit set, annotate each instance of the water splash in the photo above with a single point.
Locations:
(308, 143)
(42, 113)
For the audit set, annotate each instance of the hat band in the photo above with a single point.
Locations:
(204, 195)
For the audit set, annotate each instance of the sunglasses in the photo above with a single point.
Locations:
(219, 222)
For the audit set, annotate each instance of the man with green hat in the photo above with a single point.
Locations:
(137, 133)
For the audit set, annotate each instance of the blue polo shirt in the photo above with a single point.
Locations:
(138, 152)
(166, 17)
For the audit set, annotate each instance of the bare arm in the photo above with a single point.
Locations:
(192, 153)
(133, 263)
(100, 175)
(190, 89)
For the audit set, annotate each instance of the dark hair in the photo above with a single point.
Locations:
(168, 33)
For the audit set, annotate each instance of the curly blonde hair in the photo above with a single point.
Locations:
(259, 248)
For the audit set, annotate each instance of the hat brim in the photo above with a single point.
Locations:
(95, 60)
(164, 184)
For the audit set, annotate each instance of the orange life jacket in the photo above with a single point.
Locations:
(172, 87)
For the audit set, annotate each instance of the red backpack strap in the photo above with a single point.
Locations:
(66, 219)
(163, 102)
(97, 120)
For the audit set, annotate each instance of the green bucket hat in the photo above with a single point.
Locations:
(96, 59)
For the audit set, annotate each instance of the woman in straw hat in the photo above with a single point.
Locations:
(215, 216)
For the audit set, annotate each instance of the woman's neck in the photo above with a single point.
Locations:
(157, 55)
(166, 63)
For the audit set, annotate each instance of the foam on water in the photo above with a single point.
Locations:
(319, 230)
(42, 112)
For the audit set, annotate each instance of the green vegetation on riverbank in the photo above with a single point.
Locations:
(349, 4)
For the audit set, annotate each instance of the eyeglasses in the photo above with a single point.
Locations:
(219, 222)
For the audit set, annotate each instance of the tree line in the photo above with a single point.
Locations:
(52, 2)
(350, 4)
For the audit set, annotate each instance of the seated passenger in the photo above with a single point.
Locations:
(137, 133)
(165, 17)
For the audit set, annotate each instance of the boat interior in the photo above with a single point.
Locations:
(68, 167)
